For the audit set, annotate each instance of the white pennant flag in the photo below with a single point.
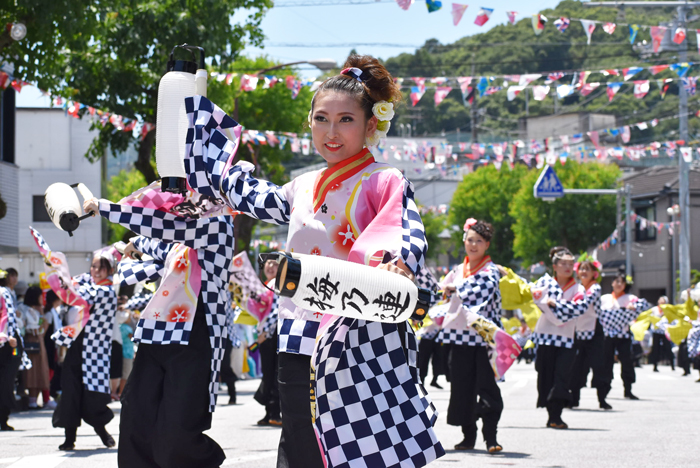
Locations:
(687, 153)
(527, 79)
(540, 92)
(588, 28)
(513, 91)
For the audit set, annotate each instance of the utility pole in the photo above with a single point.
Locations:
(474, 113)
(683, 167)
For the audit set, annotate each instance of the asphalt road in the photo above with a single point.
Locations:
(660, 430)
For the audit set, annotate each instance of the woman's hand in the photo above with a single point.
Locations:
(261, 337)
(398, 268)
(132, 252)
(449, 290)
(502, 271)
(91, 205)
(631, 306)
(12, 341)
(551, 302)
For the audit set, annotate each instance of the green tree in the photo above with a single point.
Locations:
(120, 68)
(434, 225)
(486, 194)
(574, 221)
(121, 185)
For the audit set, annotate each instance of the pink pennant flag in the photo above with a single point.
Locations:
(595, 138)
(416, 95)
(483, 16)
(679, 35)
(511, 16)
(404, 4)
(588, 88)
(588, 28)
(657, 68)
(641, 88)
(540, 92)
(249, 82)
(420, 82)
(464, 82)
(609, 28)
(657, 35)
(229, 78)
(625, 134)
(457, 12)
(441, 93)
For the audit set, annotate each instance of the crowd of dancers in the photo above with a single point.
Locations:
(346, 392)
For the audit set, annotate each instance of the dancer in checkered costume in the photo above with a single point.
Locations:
(693, 343)
(182, 341)
(138, 302)
(617, 311)
(85, 370)
(10, 353)
(429, 349)
(474, 393)
(588, 344)
(357, 210)
(562, 302)
(661, 348)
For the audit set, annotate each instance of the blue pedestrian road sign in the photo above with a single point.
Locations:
(548, 185)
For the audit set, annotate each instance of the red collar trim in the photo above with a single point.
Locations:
(338, 174)
(466, 271)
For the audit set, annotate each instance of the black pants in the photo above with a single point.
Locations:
(77, 402)
(684, 360)
(471, 377)
(553, 366)
(660, 350)
(165, 406)
(298, 447)
(227, 375)
(589, 356)
(623, 346)
(9, 366)
(430, 351)
(268, 393)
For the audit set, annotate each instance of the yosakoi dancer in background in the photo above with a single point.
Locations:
(357, 210)
(474, 285)
(88, 337)
(171, 391)
(562, 301)
(617, 311)
(588, 344)
(11, 352)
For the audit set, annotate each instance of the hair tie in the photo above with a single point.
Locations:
(354, 73)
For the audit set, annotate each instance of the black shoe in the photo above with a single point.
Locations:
(67, 445)
(557, 425)
(107, 439)
(605, 406)
(656, 370)
(630, 396)
(232, 401)
(435, 384)
(263, 422)
(6, 427)
(493, 447)
(465, 445)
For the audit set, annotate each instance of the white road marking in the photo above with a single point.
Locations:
(41, 461)
(516, 386)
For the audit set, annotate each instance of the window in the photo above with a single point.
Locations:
(39, 213)
(648, 231)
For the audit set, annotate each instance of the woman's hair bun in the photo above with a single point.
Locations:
(555, 253)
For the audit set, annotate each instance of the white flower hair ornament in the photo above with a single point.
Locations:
(384, 112)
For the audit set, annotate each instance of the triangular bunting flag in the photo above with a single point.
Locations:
(511, 16)
(457, 12)
(588, 88)
(641, 88)
(540, 92)
(657, 35)
(612, 90)
(634, 29)
(679, 35)
(628, 73)
(564, 90)
(404, 4)
(680, 68)
(416, 94)
(609, 28)
(663, 86)
(440, 94)
(690, 84)
(687, 154)
(433, 5)
(527, 79)
(588, 28)
(657, 68)
(483, 16)
(538, 22)
(513, 91)
(625, 134)
(561, 24)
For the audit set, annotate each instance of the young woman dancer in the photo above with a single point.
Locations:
(617, 311)
(36, 379)
(562, 300)
(171, 393)
(473, 285)
(357, 210)
(588, 344)
(85, 370)
(661, 348)
(11, 351)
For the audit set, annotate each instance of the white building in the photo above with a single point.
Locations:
(49, 147)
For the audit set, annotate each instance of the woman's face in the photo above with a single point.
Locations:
(618, 286)
(338, 126)
(96, 271)
(564, 267)
(475, 245)
(586, 274)
(270, 269)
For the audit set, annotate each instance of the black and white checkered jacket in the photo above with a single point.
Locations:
(12, 329)
(211, 147)
(138, 302)
(615, 317)
(693, 340)
(585, 324)
(558, 329)
(212, 238)
(479, 293)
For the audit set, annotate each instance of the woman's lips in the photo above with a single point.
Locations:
(333, 148)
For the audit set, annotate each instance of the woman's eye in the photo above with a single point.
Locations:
(320, 118)
(346, 119)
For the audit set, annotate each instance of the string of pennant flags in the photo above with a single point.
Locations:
(643, 224)
(562, 24)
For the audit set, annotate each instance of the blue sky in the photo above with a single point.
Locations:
(369, 28)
